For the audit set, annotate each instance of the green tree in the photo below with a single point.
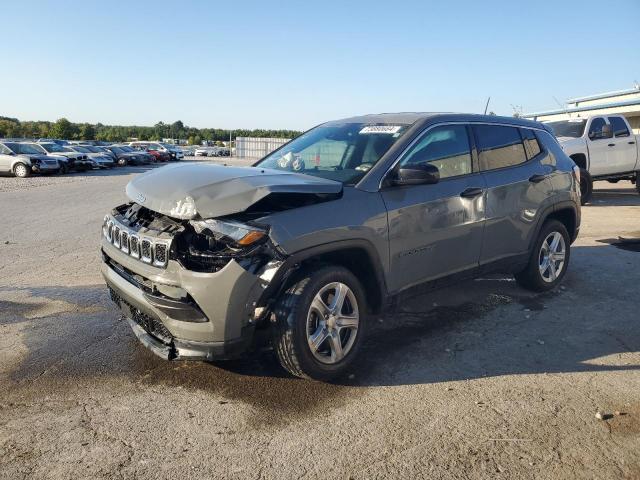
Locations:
(87, 132)
(62, 129)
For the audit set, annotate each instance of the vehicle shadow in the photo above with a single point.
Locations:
(117, 171)
(614, 196)
(486, 327)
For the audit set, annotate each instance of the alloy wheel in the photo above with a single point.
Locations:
(21, 170)
(551, 257)
(332, 323)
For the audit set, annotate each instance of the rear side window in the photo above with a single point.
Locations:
(531, 145)
(499, 146)
(619, 127)
(4, 150)
(596, 130)
(446, 147)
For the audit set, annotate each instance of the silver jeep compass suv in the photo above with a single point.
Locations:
(319, 235)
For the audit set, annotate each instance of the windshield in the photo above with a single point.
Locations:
(92, 149)
(53, 147)
(342, 152)
(82, 149)
(116, 149)
(568, 128)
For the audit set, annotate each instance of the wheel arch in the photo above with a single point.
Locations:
(580, 159)
(565, 212)
(358, 256)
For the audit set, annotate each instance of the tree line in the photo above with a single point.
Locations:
(64, 129)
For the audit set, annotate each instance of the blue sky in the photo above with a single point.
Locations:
(295, 64)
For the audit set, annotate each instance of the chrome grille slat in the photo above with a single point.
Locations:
(116, 236)
(134, 246)
(146, 250)
(124, 241)
(149, 250)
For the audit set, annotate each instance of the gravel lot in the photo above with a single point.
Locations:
(481, 380)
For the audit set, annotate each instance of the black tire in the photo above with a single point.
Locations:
(531, 278)
(289, 323)
(638, 182)
(586, 186)
(21, 170)
(64, 169)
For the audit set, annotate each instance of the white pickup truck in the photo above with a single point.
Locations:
(604, 147)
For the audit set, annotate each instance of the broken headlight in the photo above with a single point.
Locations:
(226, 231)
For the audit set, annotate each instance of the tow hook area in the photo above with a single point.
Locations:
(166, 352)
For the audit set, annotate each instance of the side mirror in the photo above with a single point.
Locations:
(418, 174)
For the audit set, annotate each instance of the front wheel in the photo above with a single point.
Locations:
(586, 186)
(549, 260)
(319, 322)
(20, 170)
(638, 181)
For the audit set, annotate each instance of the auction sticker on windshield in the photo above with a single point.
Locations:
(381, 129)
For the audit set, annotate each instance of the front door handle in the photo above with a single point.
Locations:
(537, 178)
(612, 145)
(631, 143)
(471, 192)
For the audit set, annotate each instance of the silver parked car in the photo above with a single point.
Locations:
(99, 158)
(21, 160)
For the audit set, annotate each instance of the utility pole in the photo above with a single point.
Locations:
(230, 150)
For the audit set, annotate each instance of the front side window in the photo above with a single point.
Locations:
(597, 129)
(619, 127)
(26, 148)
(531, 145)
(343, 152)
(499, 146)
(446, 147)
(31, 148)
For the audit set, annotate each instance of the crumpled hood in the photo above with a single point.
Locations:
(209, 191)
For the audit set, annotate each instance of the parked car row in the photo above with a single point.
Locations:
(50, 156)
(211, 152)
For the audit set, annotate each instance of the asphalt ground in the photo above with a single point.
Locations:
(479, 380)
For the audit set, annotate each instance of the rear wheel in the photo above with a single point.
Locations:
(122, 161)
(319, 323)
(549, 259)
(20, 170)
(64, 168)
(638, 181)
(586, 186)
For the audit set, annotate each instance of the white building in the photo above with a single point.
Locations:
(621, 102)
(253, 147)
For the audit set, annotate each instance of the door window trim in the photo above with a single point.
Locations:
(472, 144)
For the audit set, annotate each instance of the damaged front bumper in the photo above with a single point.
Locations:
(181, 314)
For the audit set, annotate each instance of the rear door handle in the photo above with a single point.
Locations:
(537, 178)
(631, 143)
(471, 192)
(612, 145)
